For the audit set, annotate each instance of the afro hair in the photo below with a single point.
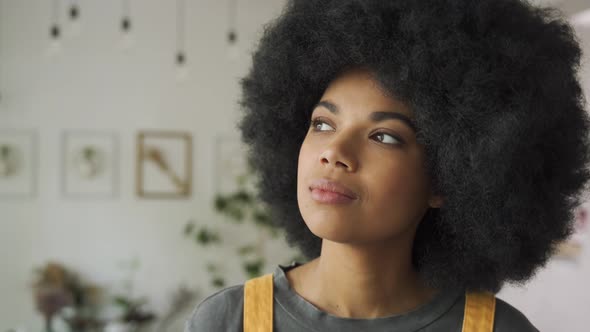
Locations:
(499, 109)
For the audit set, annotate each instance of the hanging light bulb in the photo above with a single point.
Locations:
(75, 27)
(232, 35)
(74, 11)
(182, 70)
(54, 32)
(127, 39)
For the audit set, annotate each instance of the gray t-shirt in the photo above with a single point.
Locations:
(223, 311)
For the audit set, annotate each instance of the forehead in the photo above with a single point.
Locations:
(357, 90)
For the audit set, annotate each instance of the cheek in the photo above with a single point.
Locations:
(391, 185)
(308, 169)
(396, 192)
(303, 165)
(306, 157)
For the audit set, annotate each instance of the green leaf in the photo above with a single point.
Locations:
(259, 216)
(203, 236)
(122, 301)
(241, 179)
(188, 228)
(218, 282)
(220, 203)
(274, 232)
(253, 268)
(246, 249)
(211, 267)
(242, 196)
(236, 214)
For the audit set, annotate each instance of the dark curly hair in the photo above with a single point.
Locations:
(500, 112)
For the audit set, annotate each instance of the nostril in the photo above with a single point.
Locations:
(341, 164)
(338, 163)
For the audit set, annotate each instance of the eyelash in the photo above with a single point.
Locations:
(315, 122)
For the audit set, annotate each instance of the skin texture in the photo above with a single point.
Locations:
(365, 268)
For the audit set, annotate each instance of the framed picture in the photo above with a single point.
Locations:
(230, 163)
(18, 163)
(89, 164)
(164, 164)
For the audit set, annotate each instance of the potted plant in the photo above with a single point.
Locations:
(60, 292)
(133, 315)
(239, 206)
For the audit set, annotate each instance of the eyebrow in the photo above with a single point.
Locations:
(375, 116)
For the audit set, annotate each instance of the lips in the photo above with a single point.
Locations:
(333, 187)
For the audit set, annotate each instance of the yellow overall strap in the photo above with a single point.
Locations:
(258, 300)
(480, 308)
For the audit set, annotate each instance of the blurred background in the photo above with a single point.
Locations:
(124, 194)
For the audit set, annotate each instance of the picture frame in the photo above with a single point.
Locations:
(89, 164)
(19, 163)
(164, 164)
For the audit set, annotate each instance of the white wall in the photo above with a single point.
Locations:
(94, 84)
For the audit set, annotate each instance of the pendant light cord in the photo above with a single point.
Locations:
(54, 30)
(232, 34)
(180, 13)
(1, 46)
(126, 19)
(232, 14)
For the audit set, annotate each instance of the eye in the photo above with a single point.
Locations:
(320, 125)
(387, 139)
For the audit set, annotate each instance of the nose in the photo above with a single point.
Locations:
(339, 154)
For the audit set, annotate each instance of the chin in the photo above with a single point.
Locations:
(330, 226)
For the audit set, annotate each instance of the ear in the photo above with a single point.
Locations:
(436, 201)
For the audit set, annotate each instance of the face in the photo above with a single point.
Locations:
(360, 175)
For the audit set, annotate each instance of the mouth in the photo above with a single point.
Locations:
(331, 192)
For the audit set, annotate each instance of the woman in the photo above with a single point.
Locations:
(420, 153)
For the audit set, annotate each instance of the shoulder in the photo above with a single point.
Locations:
(220, 311)
(510, 319)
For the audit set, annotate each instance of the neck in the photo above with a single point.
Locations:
(365, 281)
